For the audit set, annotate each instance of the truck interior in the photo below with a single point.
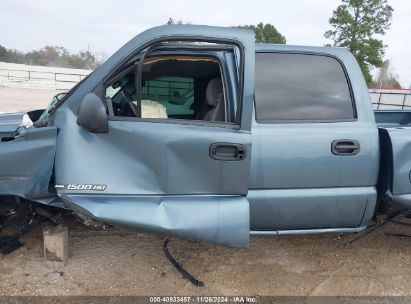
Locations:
(189, 87)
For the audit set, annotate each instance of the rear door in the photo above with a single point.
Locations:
(316, 154)
(168, 176)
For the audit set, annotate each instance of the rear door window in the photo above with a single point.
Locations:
(301, 88)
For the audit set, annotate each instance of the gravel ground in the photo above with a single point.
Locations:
(117, 263)
(15, 99)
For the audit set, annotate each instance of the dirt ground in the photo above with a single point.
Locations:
(118, 263)
(15, 99)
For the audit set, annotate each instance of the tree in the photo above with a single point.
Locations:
(354, 26)
(386, 78)
(171, 21)
(54, 56)
(265, 33)
(11, 56)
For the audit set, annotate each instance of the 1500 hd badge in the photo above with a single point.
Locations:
(92, 187)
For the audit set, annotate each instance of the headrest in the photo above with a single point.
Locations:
(214, 91)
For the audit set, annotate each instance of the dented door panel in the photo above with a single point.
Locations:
(145, 158)
(222, 220)
(26, 163)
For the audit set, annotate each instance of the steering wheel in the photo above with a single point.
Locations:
(129, 102)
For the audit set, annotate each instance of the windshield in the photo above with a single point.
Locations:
(52, 106)
(57, 101)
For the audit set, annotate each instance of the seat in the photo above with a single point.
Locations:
(215, 99)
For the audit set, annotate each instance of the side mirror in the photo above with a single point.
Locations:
(92, 114)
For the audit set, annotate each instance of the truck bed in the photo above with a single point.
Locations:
(393, 118)
(395, 143)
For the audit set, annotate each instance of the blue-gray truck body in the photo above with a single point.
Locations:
(217, 180)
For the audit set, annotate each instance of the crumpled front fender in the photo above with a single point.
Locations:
(26, 163)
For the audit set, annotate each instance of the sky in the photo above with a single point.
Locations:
(105, 25)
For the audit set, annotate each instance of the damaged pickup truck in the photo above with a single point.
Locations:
(198, 132)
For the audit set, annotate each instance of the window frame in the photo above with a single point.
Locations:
(229, 96)
(310, 121)
(224, 79)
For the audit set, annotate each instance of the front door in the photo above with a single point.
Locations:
(177, 155)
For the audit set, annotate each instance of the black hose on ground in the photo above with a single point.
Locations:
(180, 268)
(393, 219)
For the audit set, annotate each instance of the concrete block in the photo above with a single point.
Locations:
(55, 246)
